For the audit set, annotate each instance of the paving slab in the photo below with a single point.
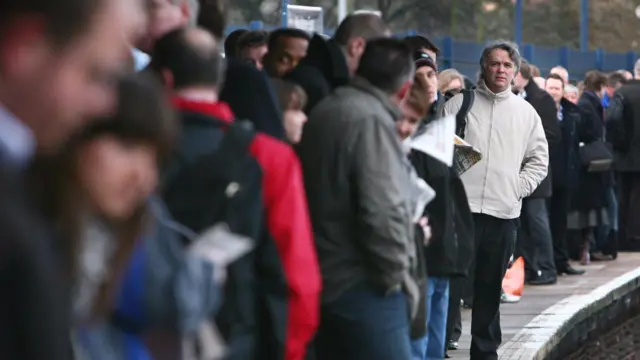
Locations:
(530, 325)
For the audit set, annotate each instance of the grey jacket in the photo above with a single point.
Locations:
(355, 174)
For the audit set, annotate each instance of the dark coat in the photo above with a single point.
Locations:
(589, 192)
(322, 70)
(451, 247)
(564, 158)
(546, 109)
(249, 93)
(623, 118)
(34, 313)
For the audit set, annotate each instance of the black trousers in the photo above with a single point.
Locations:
(495, 241)
(558, 210)
(535, 242)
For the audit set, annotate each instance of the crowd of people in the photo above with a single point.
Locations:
(171, 193)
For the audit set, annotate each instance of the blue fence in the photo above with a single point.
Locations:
(464, 56)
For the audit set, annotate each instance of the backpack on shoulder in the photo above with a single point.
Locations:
(468, 97)
(225, 186)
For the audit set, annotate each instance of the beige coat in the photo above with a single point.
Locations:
(509, 134)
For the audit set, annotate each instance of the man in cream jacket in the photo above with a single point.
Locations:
(509, 134)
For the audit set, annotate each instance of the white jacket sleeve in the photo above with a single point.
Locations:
(536, 159)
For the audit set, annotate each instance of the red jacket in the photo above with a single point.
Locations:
(287, 223)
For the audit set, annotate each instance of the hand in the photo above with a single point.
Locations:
(426, 229)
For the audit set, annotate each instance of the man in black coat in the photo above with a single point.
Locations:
(535, 243)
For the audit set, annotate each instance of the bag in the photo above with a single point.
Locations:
(225, 186)
(468, 97)
(596, 156)
(513, 282)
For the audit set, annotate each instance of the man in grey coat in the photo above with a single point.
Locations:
(356, 177)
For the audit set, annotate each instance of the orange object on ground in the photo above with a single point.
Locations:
(513, 282)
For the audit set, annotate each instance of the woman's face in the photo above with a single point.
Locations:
(294, 121)
(117, 175)
(572, 96)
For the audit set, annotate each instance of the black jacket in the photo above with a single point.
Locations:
(589, 191)
(249, 93)
(34, 317)
(322, 70)
(564, 159)
(623, 127)
(546, 109)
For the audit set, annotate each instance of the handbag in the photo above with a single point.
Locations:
(596, 156)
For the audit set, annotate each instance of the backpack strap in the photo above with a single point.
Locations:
(468, 96)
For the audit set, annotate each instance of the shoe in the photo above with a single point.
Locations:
(598, 256)
(509, 299)
(569, 270)
(446, 356)
(543, 280)
(453, 345)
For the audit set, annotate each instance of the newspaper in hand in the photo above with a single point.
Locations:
(465, 155)
(436, 139)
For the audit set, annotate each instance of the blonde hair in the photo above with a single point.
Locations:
(446, 77)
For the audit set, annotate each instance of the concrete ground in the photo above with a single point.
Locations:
(537, 299)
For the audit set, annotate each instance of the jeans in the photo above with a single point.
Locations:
(433, 345)
(602, 232)
(364, 324)
(495, 242)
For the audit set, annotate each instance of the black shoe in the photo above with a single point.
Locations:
(569, 270)
(544, 280)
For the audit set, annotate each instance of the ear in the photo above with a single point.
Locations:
(186, 10)
(167, 79)
(356, 46)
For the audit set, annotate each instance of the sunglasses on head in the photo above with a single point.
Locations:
(420, 55)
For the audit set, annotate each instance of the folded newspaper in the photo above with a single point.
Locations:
(464, 155)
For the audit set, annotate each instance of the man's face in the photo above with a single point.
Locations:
(56, 90)
(555, 88)
(432, 79)
(255, 54)
(164, 16)
(500, 70)
(290, 51)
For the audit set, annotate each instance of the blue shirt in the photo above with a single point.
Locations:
(16, 139)
(605, 100)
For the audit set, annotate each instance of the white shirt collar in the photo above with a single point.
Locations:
(16, 138)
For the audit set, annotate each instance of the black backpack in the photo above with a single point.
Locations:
(224, 185)
(468, 96)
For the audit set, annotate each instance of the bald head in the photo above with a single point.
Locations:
(200, 40)
(366, 26)
(354, 32)
(192, 56)
(562, 72)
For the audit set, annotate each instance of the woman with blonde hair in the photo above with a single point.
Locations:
(450, 80)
